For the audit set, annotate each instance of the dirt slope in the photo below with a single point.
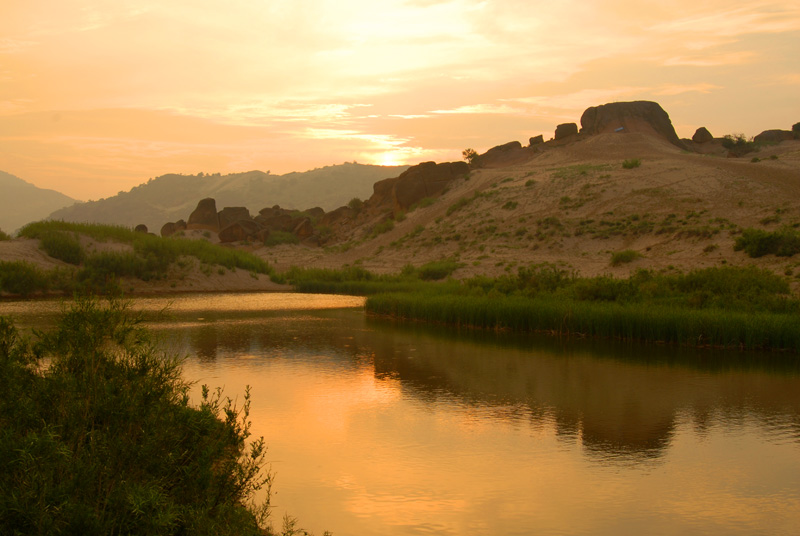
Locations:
(575, 205)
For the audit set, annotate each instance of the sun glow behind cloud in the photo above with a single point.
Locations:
(290, 85)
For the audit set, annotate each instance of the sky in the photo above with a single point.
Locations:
(98, 96)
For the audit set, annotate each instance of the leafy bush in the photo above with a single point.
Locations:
(4, 236)
(62, 246)
(436, 270)
(738, 144)
(383, 227)
(20, 277)
(623, 257)
(276, 238)
(103, 440)
(356, 204)
(632, 163)
(757, 243)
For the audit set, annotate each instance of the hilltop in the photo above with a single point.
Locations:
(173, 196)
(624, 182)
(619, 193)
(22, 202)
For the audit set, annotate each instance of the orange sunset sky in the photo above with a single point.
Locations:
(97, 96)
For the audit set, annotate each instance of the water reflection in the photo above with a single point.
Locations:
(382, 428)
(620, 402)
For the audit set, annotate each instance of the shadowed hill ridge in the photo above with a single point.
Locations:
(172, 197)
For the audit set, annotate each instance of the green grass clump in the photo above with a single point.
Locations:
(757, 243)
(624, 257)
(62, 246)
(436, 270)
(157, 252)
(275, 238)
(22, 278)
(97, 436)
(383, 227)
(631, 163)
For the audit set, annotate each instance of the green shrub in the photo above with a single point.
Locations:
(103, 439)
(738, 144)
(23, 278)
(383, 227)
(757, 243)
(623, 257)
(4, 236)
(281, 237)
(356, 204)
(62, 246)
(632, 163)
(436, 270)
(510, 205)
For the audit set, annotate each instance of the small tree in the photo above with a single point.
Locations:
(469, 155)
(356, 204)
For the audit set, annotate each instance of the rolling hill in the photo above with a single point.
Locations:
(21, 202)
(172, 197)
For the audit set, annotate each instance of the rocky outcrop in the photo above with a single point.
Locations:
(229, 215)
(141, 228)
(637, 116)
(774, 136)
(796, 131)
(170, 228)
(702, 135)
(536, 140)
(501, 155)
(238, 231)
(204, 216)
(565, 130)
(428, 179)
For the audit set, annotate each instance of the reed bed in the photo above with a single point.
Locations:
(631, 321)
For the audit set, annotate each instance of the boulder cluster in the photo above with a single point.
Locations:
(314, 226)
(430, 180)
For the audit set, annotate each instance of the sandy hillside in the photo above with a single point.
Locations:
(575, 205)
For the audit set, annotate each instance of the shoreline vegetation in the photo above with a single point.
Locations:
(722, 307)
(97, 436)
(726, 306)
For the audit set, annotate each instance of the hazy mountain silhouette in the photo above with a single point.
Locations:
(21, 202)
(172, 197)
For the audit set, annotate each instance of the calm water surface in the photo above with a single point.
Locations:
(377, 428)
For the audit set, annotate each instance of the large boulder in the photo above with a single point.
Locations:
(774, 136)
(536, 140)
(337, 218)
(170, 228)
(702, 135)
(503, 155)
(565, 130)
(204, 216)
(239, 231)
(141, 228)
(229, 215)
(796, 131)
(637, 116)
(304, 229)
(427, 179)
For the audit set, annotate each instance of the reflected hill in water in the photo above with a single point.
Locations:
(620, 401)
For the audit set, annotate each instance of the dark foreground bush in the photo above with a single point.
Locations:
(97, 436)
(20, 277)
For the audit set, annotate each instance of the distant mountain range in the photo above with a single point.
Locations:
(173, 197)
(21, 202)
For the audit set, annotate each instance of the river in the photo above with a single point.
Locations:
(382, 428)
